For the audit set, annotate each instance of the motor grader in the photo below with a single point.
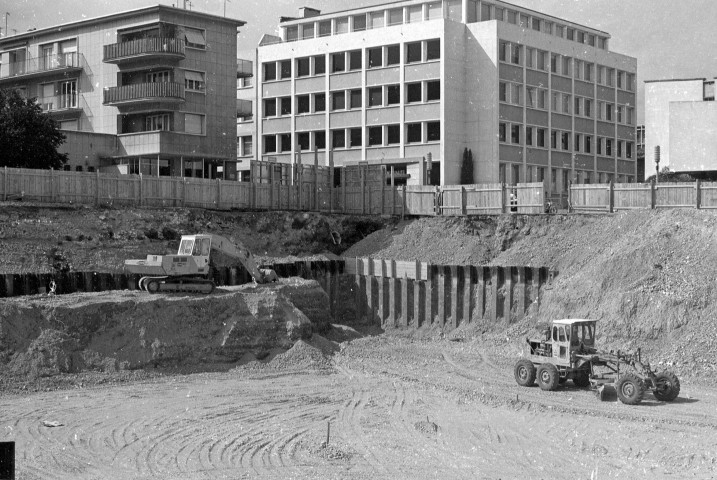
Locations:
(567, 352)
(190, 269)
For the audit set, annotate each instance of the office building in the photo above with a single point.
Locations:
(149, 91)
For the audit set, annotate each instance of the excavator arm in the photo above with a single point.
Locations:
(238, 252)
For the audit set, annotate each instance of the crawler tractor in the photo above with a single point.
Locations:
(189, 270)
(567, 352)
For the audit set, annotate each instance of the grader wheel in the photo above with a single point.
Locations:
(524, 373)
(548, 376)
(630, 389)
(667, 386)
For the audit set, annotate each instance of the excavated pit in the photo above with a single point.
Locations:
(109, 331)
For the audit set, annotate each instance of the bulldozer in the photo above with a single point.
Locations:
(567, 352)
(190, 269)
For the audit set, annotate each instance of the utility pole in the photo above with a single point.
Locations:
(7, 14)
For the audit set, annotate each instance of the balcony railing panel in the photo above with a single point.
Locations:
(144, 47)
(48, 63)
(144, 91)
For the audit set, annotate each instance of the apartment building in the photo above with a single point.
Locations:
(246, 126)
(680, 115)
(149, 91)
(535, 98)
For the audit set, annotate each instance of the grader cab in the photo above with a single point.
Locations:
(567, 352)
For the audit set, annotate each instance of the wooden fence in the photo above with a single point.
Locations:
(627, 196)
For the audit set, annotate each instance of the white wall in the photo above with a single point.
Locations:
(692, 139)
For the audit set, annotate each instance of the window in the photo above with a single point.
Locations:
(499, 14)
(581, 37)
(608, 146)
(515, 54)
(319, 64)
(356, 101)
(542, 99)
(571, 33)
(433, 49)
(194, 123)
(630, 115)
(536, 24)
(393, 55)
(433, 131)
(415, 14)
(285, 66)
(619, 148)
(610, 77)
(269, 71)
(503, 92)
(502, 132)
(285, 142)
(413, 52)
(565, 140)
(578, 70)
(157, 77)
(566, 66)
(602, 43)
(247, 145)
(292, 33)
(601, 75)
(338, 62)
(515, 134)
(307, 31)
(68, 94)
(341, 25)
(375, 136)
(375, 19)
(338, 100)
(375, 57)
(393, 94)
(598, 146)
(620, 79)
(515, 94)
(589, 67)
(524, 21)
(591, 40)
(530, 96)
(554, 62)
(195, 37)
(375, 96)
(559, 31)
(157, 122)
(355, 60)
(319, 102)
(588, 143)
(608, 112)
(413, 133)
(355, 137)
(269, 144)
(325, 28)
(393, 134)
(320, 140)
(618, 111)
(542, 60)
(588, 110)
(566, 104)
(286, 106)
(529, 57)
(547, 27)
(578, 142)
(630, 82)
(484, 12)
(434, 11)
(413, 92)
(303, 140)
(395, 16)
(529, 135)
(270, 107)
(577, 105)
(556, 102)
(303, 104)
(554, 139)
(303, 67)
(503, 51)
(433, 90)
(628, 149)
(359, 23)
(194, 81)
(541, 137)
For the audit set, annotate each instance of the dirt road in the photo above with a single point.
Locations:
(397, 408)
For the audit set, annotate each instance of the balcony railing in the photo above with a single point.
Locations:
(143, 92)
(245, 68)
(59, 102)
(244, 108)
(144, 47)
(39, 65)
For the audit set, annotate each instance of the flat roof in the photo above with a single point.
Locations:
(114, 16)
(675, 80)
(395, 2)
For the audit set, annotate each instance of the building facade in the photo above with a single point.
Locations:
(680, 115)
(147, 91)
(535, 98)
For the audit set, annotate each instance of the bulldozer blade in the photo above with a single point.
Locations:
(600, 393)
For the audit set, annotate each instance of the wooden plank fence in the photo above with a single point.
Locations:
(628, 196)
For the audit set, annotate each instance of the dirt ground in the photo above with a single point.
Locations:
(399, 404)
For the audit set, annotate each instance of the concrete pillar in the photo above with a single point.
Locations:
(455, 320)
(404, 301)
(508, 293)
(382, 293)
(520, 293)
(480, 292)
(369, 291)
(428, 312)
(492, 295)
(393, 303)
(468, 282)
(418, 299)
(442, 298)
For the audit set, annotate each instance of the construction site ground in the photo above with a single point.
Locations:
(356, 401)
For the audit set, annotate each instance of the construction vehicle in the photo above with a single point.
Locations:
(190, 270)
(567, 352)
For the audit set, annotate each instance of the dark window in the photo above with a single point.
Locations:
(565, 141)
(375, 57)
(393, 94)
(502, 132)
(375, 136)
(413, 133)
(269, 71)
(375, 96)
(285, 69)
(433, 90)
(320, 140)
(338, 138)
(269, 144)
(413, 92)
(90, 169)
(554, 139)
(338, 62)
(588, 144)
(356, 98)
(413, 52)
(433, 131)
(541, 137)
(338, 100)
(355, 137)
(393, 55)
(78, 168)
(433, 49)
(270, 107)
(608, 147)
(286, 106)
(303, 67)
(319, 64)
(359, 23)
(355, 60)
(515, 134)
(393, 134)
(303, 104)
(285, 142)
(529, 135)
(320, 102)
(303, 140)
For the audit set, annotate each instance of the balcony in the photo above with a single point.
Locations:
(244, 108)
(34, 67)
(164, 92)
(144, 49)
(245, 68)
(65, 106)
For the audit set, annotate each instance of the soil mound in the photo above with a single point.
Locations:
(305, 355)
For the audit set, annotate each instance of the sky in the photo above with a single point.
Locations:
(670, 39)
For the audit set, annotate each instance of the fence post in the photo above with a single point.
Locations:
(611, 197)
(463, 201)
(141, 193)
(97, 182)
(653, 195)
(502, 198)
(698, 194)
(219, 193)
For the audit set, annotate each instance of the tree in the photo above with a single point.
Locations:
(467, 168)
(28, 137)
